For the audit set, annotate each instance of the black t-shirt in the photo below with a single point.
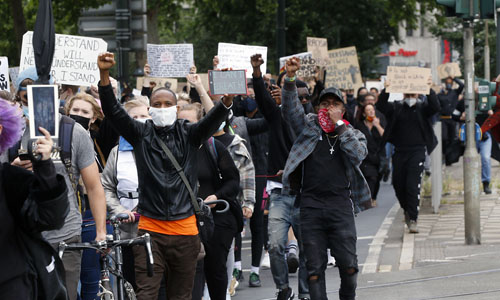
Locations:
(325, 184)
(407, 131)
(225, 139)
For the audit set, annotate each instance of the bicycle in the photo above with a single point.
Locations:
(114, 244)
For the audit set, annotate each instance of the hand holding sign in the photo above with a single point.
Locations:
(228, 100)
(44, 145)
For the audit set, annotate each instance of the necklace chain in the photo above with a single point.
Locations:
(334, 143)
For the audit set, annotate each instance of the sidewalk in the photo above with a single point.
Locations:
(436, 263)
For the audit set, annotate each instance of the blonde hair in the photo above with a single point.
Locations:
(133, 104)
(196, 107)
(98, 115)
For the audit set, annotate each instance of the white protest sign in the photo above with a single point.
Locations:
(14, 73)
(238, 57)
(170, 60)
(75, 58)
(343, 70)
(307, 64)
(4, 74)
(379, 85)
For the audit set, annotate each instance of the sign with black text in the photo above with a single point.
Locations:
(75, 58)
(4, 74)
(170, 60)
(232, 82)
(43, 103)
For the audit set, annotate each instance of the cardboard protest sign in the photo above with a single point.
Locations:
(43, 103)
(449, 70)
(343, 70)
(307, 64)
(75, 58)
(4, 74)
(408, 80)
(170, 60)
(227, 82)
(238, 57)
(319, 49)
(170, 83)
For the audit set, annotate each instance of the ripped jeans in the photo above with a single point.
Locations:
(333, 229)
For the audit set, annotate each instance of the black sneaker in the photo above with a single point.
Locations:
(486, 187)
(293, 262)
(285, 294)
(254, 280)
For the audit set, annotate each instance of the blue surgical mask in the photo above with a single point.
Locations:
(221, 127)
(26, 111)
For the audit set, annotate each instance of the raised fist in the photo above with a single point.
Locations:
(292, 66)
(106, 61)
(256, 60)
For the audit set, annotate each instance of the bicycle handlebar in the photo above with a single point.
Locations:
(144, 240)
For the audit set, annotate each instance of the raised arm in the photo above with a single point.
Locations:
(131, 130)
(460, 86)
(267, 106)
(206, 101)
(209, 124)
(433, 106)
(383, 104)
(292, 109)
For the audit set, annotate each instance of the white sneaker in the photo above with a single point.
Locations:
(265, 263)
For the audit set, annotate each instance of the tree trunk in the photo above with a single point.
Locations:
(153, 36)
(19, 22)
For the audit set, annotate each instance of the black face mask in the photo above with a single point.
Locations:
(81, 120)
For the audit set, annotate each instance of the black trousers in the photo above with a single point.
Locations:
(334, 229)
(448, 132)
(406, 179)
(257, 223)
(372, 176)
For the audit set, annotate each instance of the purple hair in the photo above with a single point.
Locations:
(12, 123)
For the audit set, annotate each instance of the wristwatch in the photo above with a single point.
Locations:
(339, 123)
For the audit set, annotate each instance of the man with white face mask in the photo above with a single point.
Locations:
(164, 202)
(410, 130)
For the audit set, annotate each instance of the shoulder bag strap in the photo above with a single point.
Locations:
(182, 175)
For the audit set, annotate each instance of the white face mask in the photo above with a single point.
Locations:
(163, 116)
(142, 120)
(410, 101)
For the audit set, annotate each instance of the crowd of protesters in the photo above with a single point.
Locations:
(294, 158)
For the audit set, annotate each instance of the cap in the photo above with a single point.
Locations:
(331, 91)
(31, 74)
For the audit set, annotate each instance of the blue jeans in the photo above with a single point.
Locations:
(484, 148)
(282, 215)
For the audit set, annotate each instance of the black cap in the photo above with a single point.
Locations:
(331, 91)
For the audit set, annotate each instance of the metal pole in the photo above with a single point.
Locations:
(123, 35)
(498, 42)
(471, 157)
(280, 35)
(486, 52)
(436, 169)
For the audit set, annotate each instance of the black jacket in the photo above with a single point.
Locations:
(425, 111)
(449, 99)
(163, 195)
(31, 203)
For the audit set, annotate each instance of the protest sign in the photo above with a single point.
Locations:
(43, 104)
(170, 83)
(227, 82)
(408, 80)
(75, 58)
(379, 85)
(307, 64)
(319, 49)
(4, 74)
(238, 57)
(343, 70)
(14, 73)
(170, 60)
(449, 70)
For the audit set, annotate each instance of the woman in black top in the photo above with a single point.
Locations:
(218, 178)
(372, 128)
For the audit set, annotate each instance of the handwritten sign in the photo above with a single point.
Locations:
(227, 82)
(449, 70)
(408, 80)
(171, 60)
(307, 64)
(319, 49)
(238, 57)
(14, 73)
(170, 83)
(4, 74)
(75, 58)
(343, 70)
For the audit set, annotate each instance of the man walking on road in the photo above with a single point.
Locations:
(324, 166)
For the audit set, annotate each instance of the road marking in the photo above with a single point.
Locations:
(371, 262)
(406, 258)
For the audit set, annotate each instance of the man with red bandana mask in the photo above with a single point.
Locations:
(323, 166)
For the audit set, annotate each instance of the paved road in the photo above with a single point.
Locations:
(368, 223)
